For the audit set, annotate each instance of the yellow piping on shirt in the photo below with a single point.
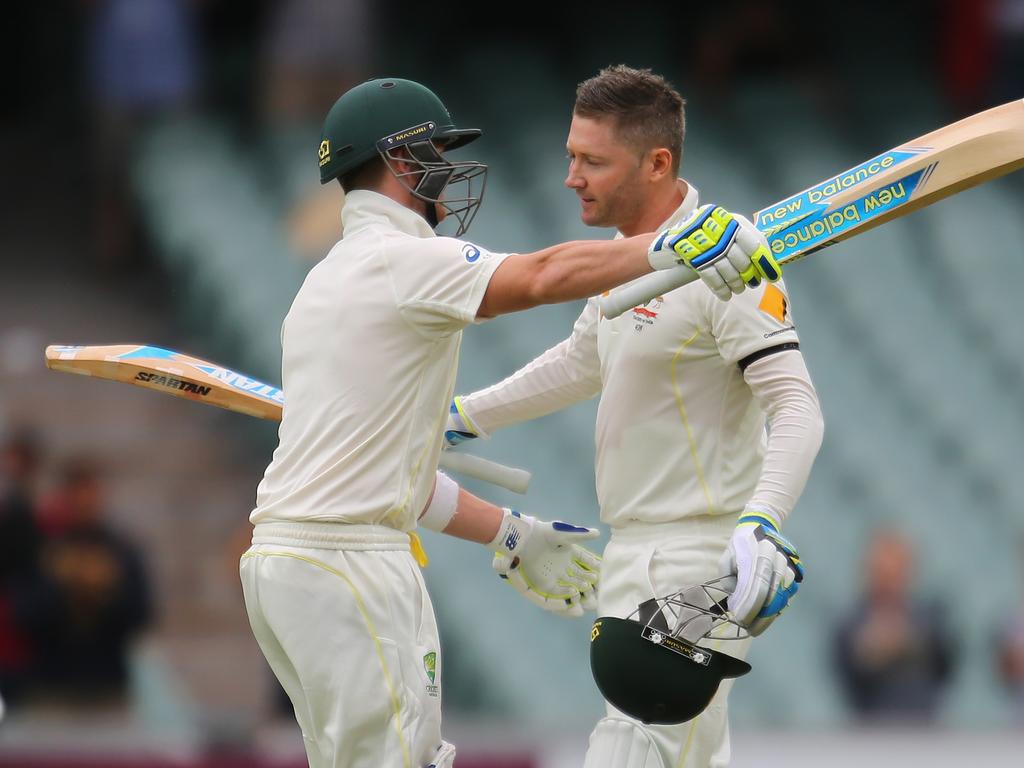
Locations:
(395, 706)
(686, 421)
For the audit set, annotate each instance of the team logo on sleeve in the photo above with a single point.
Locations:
(774, 303)
(471, 252)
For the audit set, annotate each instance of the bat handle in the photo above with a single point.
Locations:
(642, 290)
(515, 480)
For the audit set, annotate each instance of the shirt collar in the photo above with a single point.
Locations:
(364, 208)
(686, 207)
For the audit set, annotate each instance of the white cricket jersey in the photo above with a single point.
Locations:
(679, 431)
(370, 353)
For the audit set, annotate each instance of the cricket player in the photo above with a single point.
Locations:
(686, 478)
(370, 351)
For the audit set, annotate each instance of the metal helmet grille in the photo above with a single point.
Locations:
(692, 614)
(458, 187)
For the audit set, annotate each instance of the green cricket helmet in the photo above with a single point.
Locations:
(655, 665)
(401, 120)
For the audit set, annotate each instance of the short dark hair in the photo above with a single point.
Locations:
(647, 109)
(364, 176)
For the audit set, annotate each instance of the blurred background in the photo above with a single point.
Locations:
(161, 186)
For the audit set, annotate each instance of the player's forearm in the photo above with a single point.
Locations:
(565, 272)
(457, 512)
(568, 373)
(475, 519)
(585, 268)
(541, 387)
(783, 386)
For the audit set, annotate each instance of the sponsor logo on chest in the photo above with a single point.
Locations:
(645, 316)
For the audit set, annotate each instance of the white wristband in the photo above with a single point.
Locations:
(441, 509)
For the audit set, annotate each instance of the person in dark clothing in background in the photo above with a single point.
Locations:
(20, 541)
(92, 602)
(893, 653)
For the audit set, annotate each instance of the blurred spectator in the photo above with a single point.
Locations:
(893, 653)
(142, 65)
(1010, 660)
(316, 50)
(983, 52)
(93, 599)
(19, 555)
(1010, 653)
(1008, 26)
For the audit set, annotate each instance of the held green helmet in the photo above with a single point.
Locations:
(655, 665)
(403, 121)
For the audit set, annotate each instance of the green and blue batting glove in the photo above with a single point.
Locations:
(767, 568)
(726, 249)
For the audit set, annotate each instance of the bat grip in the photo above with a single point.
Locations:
(642, 290)
(515, 480)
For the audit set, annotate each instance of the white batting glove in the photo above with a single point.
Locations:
(767, 568)
(727, 250)
(545, 563)
(459, 427)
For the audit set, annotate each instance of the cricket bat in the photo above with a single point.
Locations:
(178, 374)
(908, 177)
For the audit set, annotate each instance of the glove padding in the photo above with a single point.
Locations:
(727, 250)
(458, 428)
(767, 568)
(545, 563)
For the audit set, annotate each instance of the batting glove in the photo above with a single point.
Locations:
(767, 568)
(546, 564)
(459, 428)
(727, 250)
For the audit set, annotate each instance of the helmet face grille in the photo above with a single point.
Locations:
(693, 614)
(457, 187)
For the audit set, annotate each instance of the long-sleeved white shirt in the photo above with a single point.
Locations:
(688, 385)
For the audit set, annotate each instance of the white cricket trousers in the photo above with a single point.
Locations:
(645, 560)
(344, 619)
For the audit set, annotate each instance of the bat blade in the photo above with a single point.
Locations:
(904, 179)
(172, 373)
(193, 378)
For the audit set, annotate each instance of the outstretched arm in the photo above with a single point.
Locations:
(568, 373)
(726, 251)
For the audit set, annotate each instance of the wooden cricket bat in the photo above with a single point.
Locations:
(908, 177)
(200, 380)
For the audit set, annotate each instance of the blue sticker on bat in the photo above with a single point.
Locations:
(156, 353)
(244, 383)
(822, 225)
(815, 199)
